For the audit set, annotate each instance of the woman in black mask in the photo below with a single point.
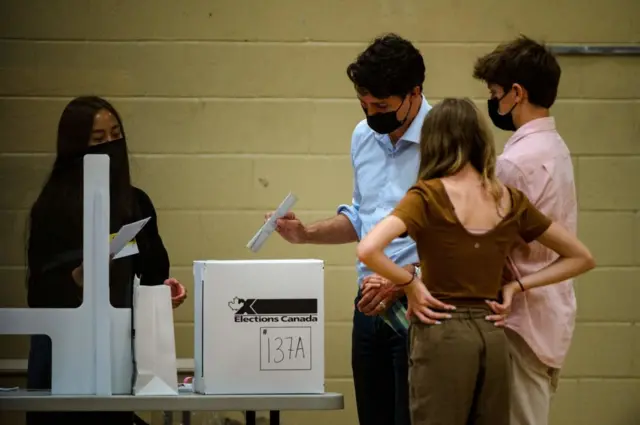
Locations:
(88, 125)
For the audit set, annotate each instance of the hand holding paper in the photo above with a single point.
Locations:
(116, 247)
(270, 225)
(124, 236)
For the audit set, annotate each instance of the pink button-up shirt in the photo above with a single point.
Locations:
(537, 161)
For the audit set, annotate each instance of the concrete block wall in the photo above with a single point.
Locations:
(230, 104)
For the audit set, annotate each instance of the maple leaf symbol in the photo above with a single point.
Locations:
(235, 304)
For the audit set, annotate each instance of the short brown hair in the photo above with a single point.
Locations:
(522, 61)
(454, 134)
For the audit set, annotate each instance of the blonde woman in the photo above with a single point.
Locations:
(464, 222)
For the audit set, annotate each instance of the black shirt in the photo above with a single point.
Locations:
(53, 254)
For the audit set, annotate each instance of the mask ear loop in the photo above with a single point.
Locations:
(406, 117)
(500, 99)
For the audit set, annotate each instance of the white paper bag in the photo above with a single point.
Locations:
(154, 341)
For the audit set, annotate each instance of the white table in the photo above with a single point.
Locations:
(185, 402)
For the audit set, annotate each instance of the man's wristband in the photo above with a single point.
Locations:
(417, 271)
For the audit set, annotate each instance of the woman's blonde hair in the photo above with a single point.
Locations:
(454, 134)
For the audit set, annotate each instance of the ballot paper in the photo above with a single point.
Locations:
(269, 226)
(131, 248)
(120, 245)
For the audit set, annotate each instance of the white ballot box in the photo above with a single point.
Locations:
(259, 327)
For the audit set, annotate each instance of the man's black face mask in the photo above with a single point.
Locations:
(387, 122)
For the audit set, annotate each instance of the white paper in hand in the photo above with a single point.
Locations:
(269, 226)
(126, 234)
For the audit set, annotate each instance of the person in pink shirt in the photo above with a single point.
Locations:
(523, 76)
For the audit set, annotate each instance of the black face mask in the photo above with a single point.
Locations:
(387, 122)
(503, 122)
(117, 151)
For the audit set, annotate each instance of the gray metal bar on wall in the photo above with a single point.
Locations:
(628, 50)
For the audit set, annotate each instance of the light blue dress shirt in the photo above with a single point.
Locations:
(383, 173)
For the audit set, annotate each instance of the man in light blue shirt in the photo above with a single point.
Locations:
(384, 170)
(385, 152)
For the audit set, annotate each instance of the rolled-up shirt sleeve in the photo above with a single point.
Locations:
(352, 211)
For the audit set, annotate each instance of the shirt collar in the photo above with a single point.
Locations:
(534, 126)
(413, 132)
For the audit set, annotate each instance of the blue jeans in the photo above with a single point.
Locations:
(380, 371)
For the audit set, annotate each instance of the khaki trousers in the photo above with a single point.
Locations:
(459, 371)
(532, 384)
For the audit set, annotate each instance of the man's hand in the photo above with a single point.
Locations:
(290, 228)
(378, 294)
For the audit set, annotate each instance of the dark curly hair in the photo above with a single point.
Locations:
(525, 62)
(389, 66)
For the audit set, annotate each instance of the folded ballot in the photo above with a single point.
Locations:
(269, 226)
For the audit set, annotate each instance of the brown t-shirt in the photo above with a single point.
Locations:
(458, 265)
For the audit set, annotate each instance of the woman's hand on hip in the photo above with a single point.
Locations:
(503, 309)
(421, 302)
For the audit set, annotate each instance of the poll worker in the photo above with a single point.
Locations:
(465, 222)
(388, 77)
(523, 77)
(88, 125)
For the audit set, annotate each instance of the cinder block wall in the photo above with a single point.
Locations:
(230, 104)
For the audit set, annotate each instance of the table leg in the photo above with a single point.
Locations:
(186, 418)
(250, 417)
(274, 417)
